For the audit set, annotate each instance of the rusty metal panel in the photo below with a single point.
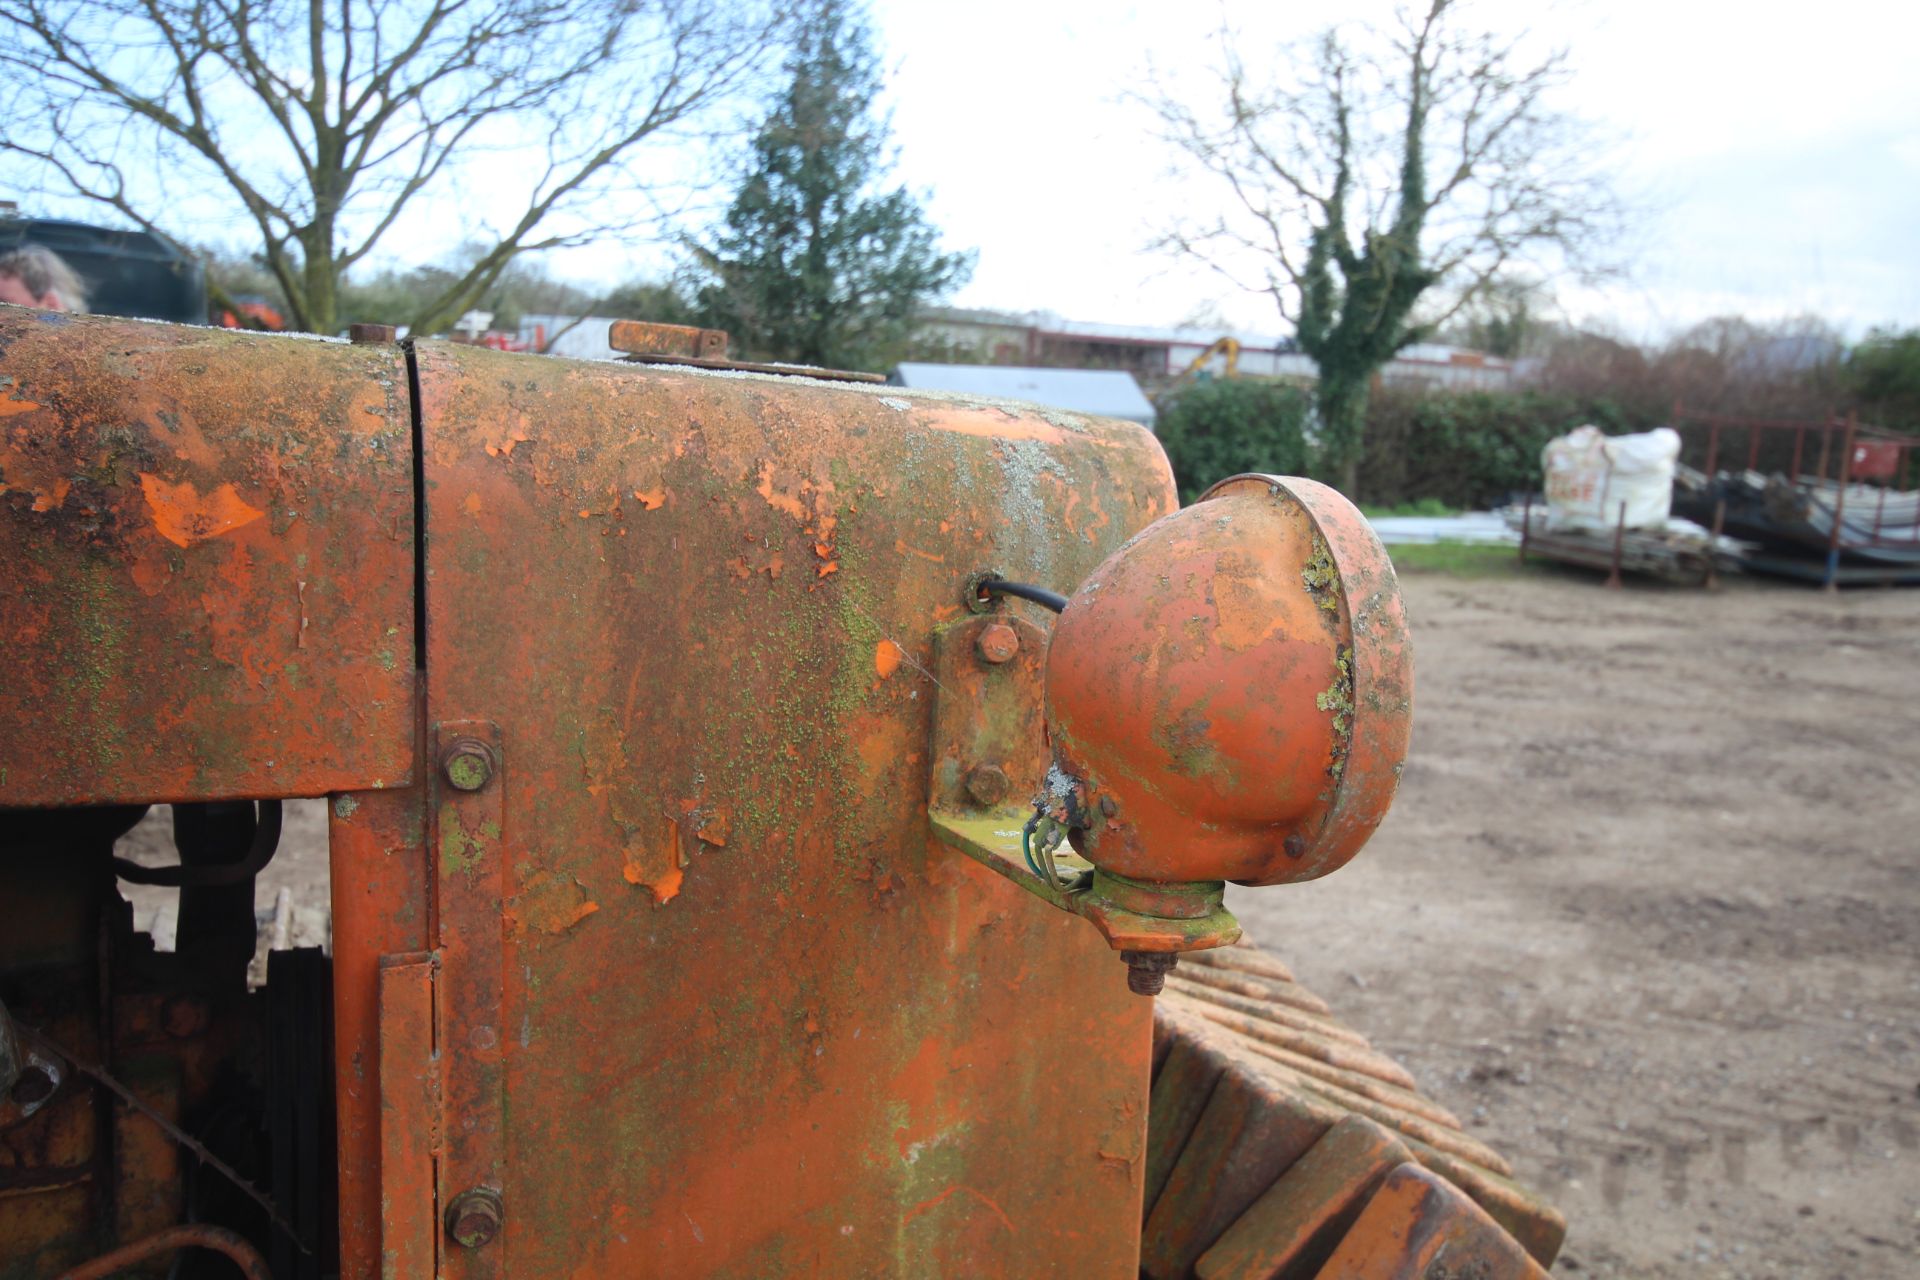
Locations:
(754, 1021)
(409, 1120)
(381, 909)
(207, 584)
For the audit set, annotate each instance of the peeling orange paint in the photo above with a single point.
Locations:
(778, 500)
(552, 904)
(811, 504)
(183, 516)
(886, 658)
(56, 496)
(715, 830)
(652, 499)
(660, 874)
(15, 404)
(667, 887)
(831, 566)
(502, 446)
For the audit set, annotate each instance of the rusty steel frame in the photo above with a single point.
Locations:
(1852, 436)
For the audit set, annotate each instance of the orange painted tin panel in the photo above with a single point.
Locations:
(755, 1022)
(382, 913)
(207, 579)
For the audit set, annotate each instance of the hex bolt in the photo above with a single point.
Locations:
(998, 643)
(468, 764)
(361, 334)
(987, 784)
(1147, 970)
(474, 1217)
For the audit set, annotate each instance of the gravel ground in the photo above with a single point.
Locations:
(1647, 912)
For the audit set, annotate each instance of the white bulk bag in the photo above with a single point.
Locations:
(1589, 474)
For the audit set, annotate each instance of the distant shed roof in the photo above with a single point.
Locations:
(1107, 393)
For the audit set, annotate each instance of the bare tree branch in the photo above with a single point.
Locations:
(326, 122)
(1372, 168)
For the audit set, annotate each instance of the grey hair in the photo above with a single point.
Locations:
(43, 271)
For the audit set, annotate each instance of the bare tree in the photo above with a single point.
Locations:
(1375, 170)
(325, 121)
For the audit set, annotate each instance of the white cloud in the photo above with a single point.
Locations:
(1777, 146)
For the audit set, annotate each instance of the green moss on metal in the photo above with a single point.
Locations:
(459, 852)
(1338, 699)
(1321, 577)
(1187, 742)
(467, 771)
(91, 682)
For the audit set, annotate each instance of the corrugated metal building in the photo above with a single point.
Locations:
(1108, 393)
(1154, 355)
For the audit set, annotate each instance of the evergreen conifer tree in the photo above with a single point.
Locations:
(816, 262)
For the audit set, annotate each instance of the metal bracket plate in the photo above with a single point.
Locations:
(989, 715)
(469, 877)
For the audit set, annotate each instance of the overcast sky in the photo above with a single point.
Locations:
(1774, 149)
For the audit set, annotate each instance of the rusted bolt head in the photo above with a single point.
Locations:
(1147, 970)
(361, 334)
(474, 1217)
(998, 643)
(987, 784)
(469, 764)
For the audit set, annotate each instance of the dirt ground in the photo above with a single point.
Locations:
(1647, 914)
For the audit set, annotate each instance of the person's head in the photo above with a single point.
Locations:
(34, 276)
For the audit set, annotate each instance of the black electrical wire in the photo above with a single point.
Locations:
(266, 839)
(1046, 599)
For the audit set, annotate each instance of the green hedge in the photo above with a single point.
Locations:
(1468, 448)
(1218, 428)
(1458, 449)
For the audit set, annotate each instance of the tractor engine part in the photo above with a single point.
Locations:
(720, 771)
